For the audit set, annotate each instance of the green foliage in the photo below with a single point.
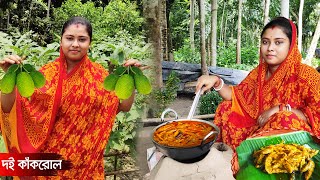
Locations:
(23, 45)
(179, 22)
(168, 94)
(184, 54)
(72, 8)
(315, 62)
(25, 16)
(122, 15)
(117, 16)
(107, 48)
(209, 102)
(124, 130)
(16, 43)
(227, 57)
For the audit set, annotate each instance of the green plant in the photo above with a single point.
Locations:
(227, 56)
(117, 16)
(184, 54)
(114, 50)
(209, 102)
(23, 45)
(124, 130)
(315, 62)
(168, 94)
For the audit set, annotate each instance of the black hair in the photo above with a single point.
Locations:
(78, 20)
(281, 22)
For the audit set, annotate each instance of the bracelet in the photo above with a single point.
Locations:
(288, 107)
(218, 89)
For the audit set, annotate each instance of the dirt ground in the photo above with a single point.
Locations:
(182, 106)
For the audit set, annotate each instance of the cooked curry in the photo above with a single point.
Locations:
(183, 133)
(285, 158)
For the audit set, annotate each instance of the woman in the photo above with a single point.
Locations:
(278, 96)
(72, 115)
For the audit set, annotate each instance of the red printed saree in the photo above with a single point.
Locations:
(293, 83)
(72, 115)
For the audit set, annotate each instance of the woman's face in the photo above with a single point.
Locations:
(75, 42)
(274, 46)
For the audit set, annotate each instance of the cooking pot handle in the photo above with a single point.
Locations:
(208, 135)
(167, 111)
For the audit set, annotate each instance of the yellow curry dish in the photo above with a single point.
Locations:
(183, 134)
(285, 158)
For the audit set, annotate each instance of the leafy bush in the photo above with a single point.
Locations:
(209, 102)
(168, 94)
(184, 54)
(227, 56)
(117, 16)
(106, 48)
(122, 15)
(250, 55)
(316, 62)
(23, 45)
(124, 130)
(72, 8)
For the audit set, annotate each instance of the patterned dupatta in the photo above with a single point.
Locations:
(79, 93)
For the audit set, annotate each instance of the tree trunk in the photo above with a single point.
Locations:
(214, 22)
(313, 44)
(48, 11)
(169, 38)
(221, 24)
(225, 27)
(300, 26)
(30, 12)
(8, 18)
(209, 51)
(266, 12)
(239, 33)
(191, 26)
(164, 34)
(285, 8)
(204, 68)
(151, 14)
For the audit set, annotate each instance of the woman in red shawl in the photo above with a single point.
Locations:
(72, 115)
(278, 96)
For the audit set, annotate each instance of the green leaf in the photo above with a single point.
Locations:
(121, 57)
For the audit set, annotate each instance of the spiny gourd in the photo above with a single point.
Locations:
(25, 77)
(125, 79)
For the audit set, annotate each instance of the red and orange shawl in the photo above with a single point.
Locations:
(72, 115)
(293, 83)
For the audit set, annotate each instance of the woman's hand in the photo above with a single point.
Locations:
(9, 60)
(207, 82)
(264, 117)
(134, 62)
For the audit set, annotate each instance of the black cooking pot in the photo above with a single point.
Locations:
(187, 154)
